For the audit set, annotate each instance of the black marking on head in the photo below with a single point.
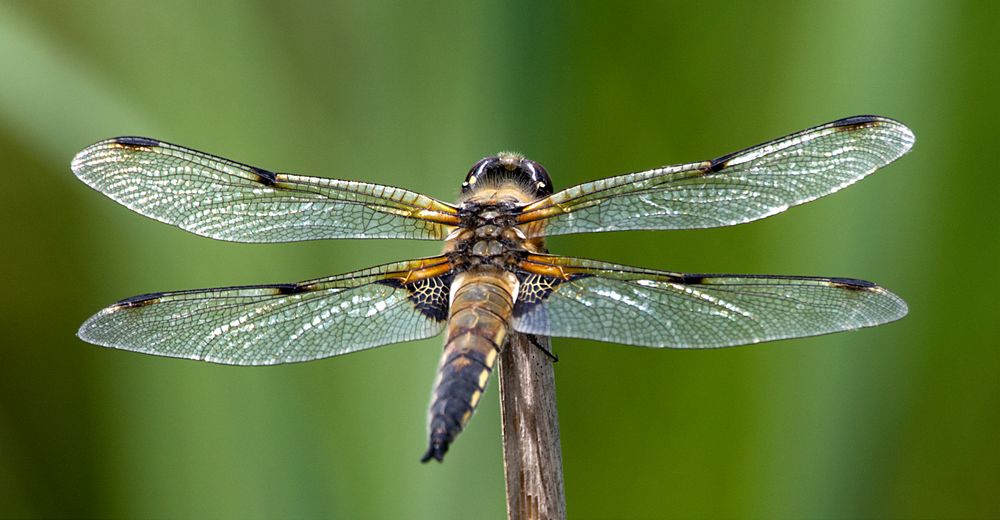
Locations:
(265, 177)
(139, 301)
(852, 284)
(136, 142)
(429, 295)
(509, 168)
(853, 123)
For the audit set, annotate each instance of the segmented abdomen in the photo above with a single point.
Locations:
(481, 306)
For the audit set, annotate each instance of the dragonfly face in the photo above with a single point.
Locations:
(494, 276)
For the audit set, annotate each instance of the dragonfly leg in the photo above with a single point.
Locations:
(534, 341)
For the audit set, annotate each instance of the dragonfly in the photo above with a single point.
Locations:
(495, 276)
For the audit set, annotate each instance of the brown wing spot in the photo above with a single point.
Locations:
(849, 124)
(291, 288)
(265, 177)
(716, 165)
(720, 163)
(687, 279)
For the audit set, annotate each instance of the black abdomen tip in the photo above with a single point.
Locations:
(436, 451)
(442, 432)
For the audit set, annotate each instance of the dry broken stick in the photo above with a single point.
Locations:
(532, 454)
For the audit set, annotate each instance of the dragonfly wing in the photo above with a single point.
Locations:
(740, 187)
(227, 200)
(608, 302)
(272, 324)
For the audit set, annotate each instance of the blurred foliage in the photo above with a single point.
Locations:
(898, 421)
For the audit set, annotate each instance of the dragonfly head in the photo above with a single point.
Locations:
(506, 168)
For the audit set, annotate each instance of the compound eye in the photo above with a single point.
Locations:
(539, 177)
(476, 172)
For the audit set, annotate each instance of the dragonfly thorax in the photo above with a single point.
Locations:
(489, 236)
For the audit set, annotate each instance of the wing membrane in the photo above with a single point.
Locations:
(271, 324)
(620, 304)
(736, 188)
(226, 200)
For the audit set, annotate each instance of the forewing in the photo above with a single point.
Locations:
(226, 200)
(736, 188)
(271, 324)
(620, 304)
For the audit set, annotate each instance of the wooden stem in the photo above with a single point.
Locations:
(532, 457)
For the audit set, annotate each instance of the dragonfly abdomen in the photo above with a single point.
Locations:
(481, 307)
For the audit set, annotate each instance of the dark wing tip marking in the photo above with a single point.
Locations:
(138, 301)
(848, 124)
(136, 142)
(265, 177)
(852, 284)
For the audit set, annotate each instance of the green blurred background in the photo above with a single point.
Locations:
(899, 421)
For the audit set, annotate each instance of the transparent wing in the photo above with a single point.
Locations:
(271, 324)
(226, 200)
(620, 304)
(736, 188)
